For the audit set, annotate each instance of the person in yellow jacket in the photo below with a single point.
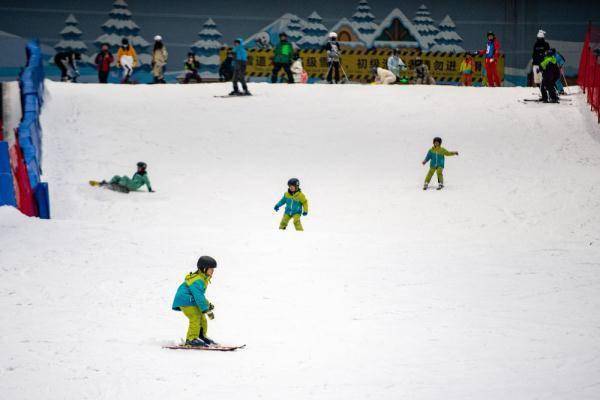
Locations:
(127, 59)
(296, 204)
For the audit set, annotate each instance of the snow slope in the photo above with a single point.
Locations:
(485, 290)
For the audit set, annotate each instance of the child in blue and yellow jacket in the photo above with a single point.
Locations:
(190, 298)
(295, 205)
(436, 158)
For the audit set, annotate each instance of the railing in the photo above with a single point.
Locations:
(589, 68)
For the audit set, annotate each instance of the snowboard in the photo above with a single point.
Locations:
(214, 347)
(110, 186)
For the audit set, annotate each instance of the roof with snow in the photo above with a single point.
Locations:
(397, 30)
(344, 27)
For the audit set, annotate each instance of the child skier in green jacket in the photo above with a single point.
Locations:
(436, 157)
(295, 204)
(126, 184)
(191, 300)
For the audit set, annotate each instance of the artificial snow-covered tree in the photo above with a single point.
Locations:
(207, 49)
(119, 26)
(447, 38)
(71, 37)
(294, 29)
(363, 19)
(314, 33)
(425, 26)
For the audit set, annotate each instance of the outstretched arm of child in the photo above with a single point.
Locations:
(449, 153)
(427, 158)
(280, 203)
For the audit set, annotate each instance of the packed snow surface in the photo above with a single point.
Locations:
(488, 289)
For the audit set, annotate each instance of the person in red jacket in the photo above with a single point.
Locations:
(492, 54)
(103, 61)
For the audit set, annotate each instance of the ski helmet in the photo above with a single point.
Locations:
(541, 34)
(125, 41)
(437, 139)
(374, 70)
(491, 33)
(158, 38)
(206, 262)
(142, 165)
(333, 35)
(294, 182)
(395, 51)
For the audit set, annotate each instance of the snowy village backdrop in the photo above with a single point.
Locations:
(409, 25)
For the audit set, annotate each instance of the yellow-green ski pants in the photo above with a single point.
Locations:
(197, 321)
(440, 175)
(286, 219)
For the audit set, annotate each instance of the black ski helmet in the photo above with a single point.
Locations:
(294, 182)
(491, 33)
(125, 41)
(206, 262)
(437, 139)
(142, 165)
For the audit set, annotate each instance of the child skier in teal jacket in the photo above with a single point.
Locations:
(436, 158)
(190, 298)
(296, 204)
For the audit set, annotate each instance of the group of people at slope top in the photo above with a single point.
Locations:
(546, 69)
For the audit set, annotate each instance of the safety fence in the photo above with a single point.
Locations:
(21, 160)
(358, 63)
(589, 68)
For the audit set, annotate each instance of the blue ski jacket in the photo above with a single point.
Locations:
(191, 292)
(240, 52)
(437, 157)
(294, 203)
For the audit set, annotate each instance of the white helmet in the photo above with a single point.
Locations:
(158, 38)
(332, 35)
(541, 34)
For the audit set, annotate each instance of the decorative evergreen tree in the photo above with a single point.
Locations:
(119, 26)
(448, 39)
(71, 37)
(207, 49)
(363, 19)
(425, 26)
(314, 33)
(294, 29)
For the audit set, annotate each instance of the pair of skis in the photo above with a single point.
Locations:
(110, 186)
(212, 347)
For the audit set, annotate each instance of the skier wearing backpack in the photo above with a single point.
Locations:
(296, 205)
(191, 300)
(436, 158)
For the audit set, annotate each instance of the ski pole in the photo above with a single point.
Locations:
(344, 71)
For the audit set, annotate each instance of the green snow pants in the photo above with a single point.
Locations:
(286, 219)
(197, 322)
(440, 176)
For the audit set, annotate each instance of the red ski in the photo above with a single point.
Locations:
(214, 347)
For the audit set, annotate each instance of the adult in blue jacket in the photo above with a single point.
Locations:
(190, 298)
(239, 68)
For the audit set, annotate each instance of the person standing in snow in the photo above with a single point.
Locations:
(466, 70)
(159, 60)
(296, 205)
(540, 47)
(333, 58)
(103, 61)
(126, 59)
(550, 74)
(191, 67)
(492, 55)
(283, 58)
(239, 68)
(126, 184)
(422, 76)
(300, 75)
(436, 157)
(191, 300)
(395, 63)
(383, 77)
(226, 68)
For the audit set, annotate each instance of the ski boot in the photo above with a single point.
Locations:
(235, 93)
(440, 186)
(246, 93)
(425, 186)
(196, 343)
(208, 341)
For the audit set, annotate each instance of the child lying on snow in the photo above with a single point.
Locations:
(126, 184)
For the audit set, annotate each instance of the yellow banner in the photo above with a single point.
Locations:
(444, 67)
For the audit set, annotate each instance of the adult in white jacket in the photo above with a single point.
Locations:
(384, 76)
(395, 63)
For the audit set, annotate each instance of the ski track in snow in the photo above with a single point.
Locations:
(487, 289)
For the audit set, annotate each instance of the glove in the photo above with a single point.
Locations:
(210, 315)
(211, 306)
(305, 213)
(276, 209)
(456, 152)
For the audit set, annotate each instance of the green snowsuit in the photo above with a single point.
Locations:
(134, 183)
(436, 158)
